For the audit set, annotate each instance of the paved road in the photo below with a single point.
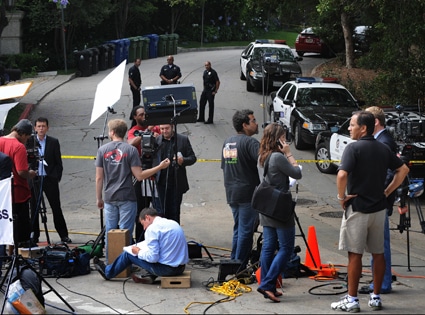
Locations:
(206, 218)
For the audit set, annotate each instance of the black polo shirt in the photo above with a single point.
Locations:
(367, 161)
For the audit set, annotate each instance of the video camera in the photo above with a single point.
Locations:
(406, 129)
(148, 146)
(33, 154)
(148, 143)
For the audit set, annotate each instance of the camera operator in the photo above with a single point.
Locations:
(13, 145)
(143, 188)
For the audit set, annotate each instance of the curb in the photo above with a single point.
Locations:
(25, 114)
(29, 107)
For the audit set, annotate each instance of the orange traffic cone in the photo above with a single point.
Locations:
(312, 257)
(258, 278)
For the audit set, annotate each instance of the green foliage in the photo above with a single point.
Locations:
(30, 63)
(13, 117)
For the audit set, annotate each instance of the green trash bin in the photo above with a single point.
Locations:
(175, 39)
(132, 52)
(139, 47)
(162, 45)
(169, 44)
(145, 47)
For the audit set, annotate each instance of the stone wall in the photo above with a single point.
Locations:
(10, 41)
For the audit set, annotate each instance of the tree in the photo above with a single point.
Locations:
(347, 10)
(178, 8)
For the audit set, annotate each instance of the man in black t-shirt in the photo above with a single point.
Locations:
(362, 193)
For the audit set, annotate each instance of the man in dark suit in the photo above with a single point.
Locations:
(49, 175)
(381, 134)
(172, 181)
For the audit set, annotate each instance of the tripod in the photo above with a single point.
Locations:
(16, 261)
(38, 205)
(413, 191)
(146, 192)
(256, 254)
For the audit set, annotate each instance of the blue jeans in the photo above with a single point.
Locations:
(386, 284)
(273, 265)
(119, 215)
(125, 260)
(245, 219)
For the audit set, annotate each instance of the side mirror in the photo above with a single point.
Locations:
(287, 102)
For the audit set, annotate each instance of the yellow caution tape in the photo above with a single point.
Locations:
(87, 157)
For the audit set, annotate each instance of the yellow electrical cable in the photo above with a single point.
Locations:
(231, 288)
(220, 301)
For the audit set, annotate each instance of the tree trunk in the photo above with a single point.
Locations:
(348, 38)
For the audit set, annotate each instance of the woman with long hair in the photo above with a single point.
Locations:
(277, 236)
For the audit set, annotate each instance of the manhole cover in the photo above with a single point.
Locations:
(303, 201)
(331, 214)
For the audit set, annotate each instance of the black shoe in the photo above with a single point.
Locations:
(66, 239)
(145, 279)
(27, 244)
(208, 122)
(365, 290)
(200, 120)
(100, 267)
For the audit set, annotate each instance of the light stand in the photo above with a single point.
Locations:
(101, 236)
(16, 261)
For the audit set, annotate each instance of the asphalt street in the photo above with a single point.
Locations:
(206, 218)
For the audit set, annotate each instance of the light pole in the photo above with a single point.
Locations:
(63, 35)
(202, 23)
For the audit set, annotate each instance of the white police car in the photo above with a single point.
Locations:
(310, 105)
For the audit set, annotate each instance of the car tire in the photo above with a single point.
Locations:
(322, 156)
(300, 53)
(298, 141)
(249, 86)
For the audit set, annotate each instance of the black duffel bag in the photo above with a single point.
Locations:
(272, 202)
(59, 261)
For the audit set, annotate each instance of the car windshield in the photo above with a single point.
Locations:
(325, 97)
(273, 54)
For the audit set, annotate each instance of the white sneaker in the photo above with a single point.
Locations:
(345, 305)
(375, 303)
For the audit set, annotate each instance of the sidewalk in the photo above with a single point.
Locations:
(42, 85)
